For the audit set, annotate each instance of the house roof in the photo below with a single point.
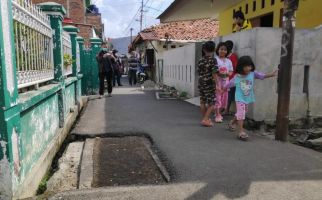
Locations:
(188, 30)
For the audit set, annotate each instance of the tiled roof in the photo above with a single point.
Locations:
(196, 30)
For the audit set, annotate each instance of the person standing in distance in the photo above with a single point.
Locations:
(105, 70)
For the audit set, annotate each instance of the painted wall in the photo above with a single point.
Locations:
(264, 46)
(308, 14)
(195, 9)
(39, 125)
(179, 69)
(69, 98)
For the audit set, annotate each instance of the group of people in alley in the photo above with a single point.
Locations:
(223, 79)
(111, 68)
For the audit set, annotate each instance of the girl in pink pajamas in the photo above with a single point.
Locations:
(225, 69)
(244, 95)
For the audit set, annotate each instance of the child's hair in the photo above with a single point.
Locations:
(243, 62)
(222, 44)
(230, 45)
(209, 46)
(239, 14)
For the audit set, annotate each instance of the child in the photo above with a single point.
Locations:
(234, 59)
(225, 69)
(244, 82)
(207, 69)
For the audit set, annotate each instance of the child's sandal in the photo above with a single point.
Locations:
(207, 123)
(242, 136)
(231, 127)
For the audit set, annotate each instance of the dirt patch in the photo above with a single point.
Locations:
(124, 161)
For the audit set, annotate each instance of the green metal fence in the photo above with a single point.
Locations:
(49, 64)
(33, 44)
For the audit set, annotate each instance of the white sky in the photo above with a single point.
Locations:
(118, 16)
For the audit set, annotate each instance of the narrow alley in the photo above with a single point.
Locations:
(204, 163)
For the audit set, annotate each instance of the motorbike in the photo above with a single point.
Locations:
(141, 73)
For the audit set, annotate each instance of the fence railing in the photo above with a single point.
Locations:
(67, 48)
(33, 44)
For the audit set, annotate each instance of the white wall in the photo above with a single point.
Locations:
(264, 46)
(179, 69)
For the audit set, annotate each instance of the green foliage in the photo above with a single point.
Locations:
(183, 94)
(43, 184)
(67, 60)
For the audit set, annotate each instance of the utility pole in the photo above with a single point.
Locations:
(285, 72)
(131, 29)
(141, 16)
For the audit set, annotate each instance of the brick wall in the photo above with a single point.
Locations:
(83, 21)
(85, 31)
(77, 11)
(75, 8)
(96, 21)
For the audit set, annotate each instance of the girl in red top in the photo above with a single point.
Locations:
(234, 59)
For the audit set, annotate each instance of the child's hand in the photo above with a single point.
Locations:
(275, 72)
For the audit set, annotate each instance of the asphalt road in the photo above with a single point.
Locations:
(204, 163)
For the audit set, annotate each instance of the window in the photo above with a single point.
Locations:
(254, 5)
(263, 3)
(246, 9)
(272, 2)
(240, 8)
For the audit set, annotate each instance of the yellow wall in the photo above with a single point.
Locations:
(309, 14)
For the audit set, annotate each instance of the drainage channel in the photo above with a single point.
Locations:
(107, 161)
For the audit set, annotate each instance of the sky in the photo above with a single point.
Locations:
(119, 16)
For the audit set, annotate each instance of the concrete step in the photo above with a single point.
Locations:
(66, 178)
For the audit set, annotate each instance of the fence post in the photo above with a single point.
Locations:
(72, 30)
(86, 70)
(9, 109)
(56, 14)
(80, 41)
(80, 76)
(96, 47)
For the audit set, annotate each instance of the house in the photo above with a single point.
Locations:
(154, 41)
(262, 13)
(83, 15)
(263, 44)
